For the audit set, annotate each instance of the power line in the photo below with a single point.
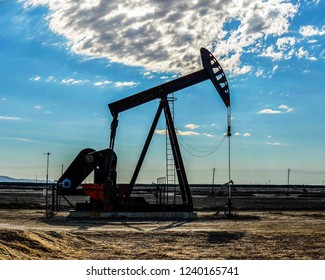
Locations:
(195, 149)
(210, 152)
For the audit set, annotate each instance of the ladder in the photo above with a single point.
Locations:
(170, 163)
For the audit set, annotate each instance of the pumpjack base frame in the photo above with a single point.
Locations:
(118, 215)
(137, 205)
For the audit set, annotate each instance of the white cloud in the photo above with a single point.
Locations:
(72, 81)
(269, 111)
(275, 68)
(309, 30)
(50, 79)
(192, 126)
(246, 134)
(35, 78)
(274, 143)
(302, 53)
(208, 135)
(259, 73)
(187, 133)
(270, 52)
(148, 75)
(21, 139)
(125, 84)
(179, 132)
(9, 118)
(172, 32)
(242, 70)
(160, 131)
(284, 107)
(286, 43)
(283, 49)
(37, 107)
(102, 83)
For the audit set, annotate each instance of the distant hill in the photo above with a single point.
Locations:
(8, 179)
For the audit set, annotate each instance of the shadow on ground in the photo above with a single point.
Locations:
(221, 237)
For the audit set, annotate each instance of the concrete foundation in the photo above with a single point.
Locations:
(131, 215)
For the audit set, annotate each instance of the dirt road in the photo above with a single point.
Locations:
(27, 234)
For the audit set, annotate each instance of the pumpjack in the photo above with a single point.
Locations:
(105, 193)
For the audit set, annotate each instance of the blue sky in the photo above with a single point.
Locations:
(63, 62)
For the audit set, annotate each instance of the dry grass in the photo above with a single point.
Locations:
(287, 235)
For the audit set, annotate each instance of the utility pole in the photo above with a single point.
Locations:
(47, 167)
(47, 181)
(213, 173)
(288, 179)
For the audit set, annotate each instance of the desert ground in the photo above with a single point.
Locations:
(276, 227)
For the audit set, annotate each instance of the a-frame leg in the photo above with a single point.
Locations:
(180, 170)
(144, 151)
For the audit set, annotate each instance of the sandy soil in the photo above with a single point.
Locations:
(27, 234)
